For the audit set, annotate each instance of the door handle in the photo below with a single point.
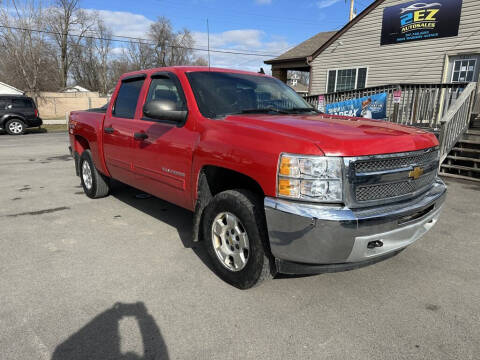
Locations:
(108, 130)
(140, 136)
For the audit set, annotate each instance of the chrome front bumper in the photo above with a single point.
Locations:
(307, 238)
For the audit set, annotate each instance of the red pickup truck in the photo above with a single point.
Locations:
(275, 186)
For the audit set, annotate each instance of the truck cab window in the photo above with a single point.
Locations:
(127, 98)
(164, 88)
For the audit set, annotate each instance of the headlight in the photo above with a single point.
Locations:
(310, 178)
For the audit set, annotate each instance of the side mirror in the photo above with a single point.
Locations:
(158, 110)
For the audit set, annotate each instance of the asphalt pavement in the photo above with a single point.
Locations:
(117, 278)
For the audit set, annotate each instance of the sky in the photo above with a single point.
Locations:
(265, 27)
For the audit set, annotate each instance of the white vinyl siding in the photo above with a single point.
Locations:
(411, 62)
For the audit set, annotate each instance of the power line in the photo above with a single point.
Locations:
(129, 39)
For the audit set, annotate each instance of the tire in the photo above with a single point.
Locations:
(94, 184)
(15, 127)
(238, 252)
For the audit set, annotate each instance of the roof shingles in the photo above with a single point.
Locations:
(305, 49)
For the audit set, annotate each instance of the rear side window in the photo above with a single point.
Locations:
(4, 103)
(127, 98)
(22, 104)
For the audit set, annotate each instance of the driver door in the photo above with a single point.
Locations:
(163, 150)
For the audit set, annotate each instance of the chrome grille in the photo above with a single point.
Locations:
(375, 165)
(391, 190)
(385, 178)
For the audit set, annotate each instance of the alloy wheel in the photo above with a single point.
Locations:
(230, 241)
(15, 127)
(87, 175)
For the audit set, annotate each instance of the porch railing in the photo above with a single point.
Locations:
(456, 121)
(421, 105)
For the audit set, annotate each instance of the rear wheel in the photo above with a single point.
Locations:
(15, 127)
(234, 234)
(95, 185)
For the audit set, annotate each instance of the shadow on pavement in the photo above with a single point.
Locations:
(100, 338)
(181, 219)
(172, 215)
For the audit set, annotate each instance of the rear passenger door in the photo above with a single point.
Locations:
(118, 129)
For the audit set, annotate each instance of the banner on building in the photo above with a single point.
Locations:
(421, 20)
(370, 107)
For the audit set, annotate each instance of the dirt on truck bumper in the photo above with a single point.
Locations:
(308, 239)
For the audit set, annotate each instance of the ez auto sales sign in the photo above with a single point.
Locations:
(421, 20)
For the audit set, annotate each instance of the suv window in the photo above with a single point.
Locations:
(22, 103)
(164, 88)
(127, 98)
(4, 103)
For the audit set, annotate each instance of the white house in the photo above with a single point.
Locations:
(76, 88)
(6, 89)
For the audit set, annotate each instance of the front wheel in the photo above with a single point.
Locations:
(95, 185)
(15, 127)
(234, 234)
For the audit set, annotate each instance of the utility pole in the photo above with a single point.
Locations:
(351, 9)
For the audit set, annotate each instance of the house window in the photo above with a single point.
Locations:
(346, 79)
(464, 70)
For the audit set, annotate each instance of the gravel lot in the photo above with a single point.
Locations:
(116, 278)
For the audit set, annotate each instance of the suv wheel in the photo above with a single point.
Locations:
(15, 127)
(234, 233)
(95, 185)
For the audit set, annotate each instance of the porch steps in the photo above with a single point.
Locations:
(463, 162)
(473, 132)
(462, 158)
(458, 176)
(466, 150)
(475, 123)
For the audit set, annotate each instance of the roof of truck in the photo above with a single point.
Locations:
(186, 69)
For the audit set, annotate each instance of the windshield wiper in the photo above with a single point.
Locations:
(263, 111)
(299, 109)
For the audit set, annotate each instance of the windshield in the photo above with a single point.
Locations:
(219, 94)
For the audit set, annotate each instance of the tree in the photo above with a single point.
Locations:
(68, 24)
(140, 55)
(26, 61)
(170, 48)
(91, 59)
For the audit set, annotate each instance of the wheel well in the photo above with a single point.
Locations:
(220, 179)
(11, 117)
(81, 144)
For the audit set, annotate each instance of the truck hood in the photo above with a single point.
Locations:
(343, 136)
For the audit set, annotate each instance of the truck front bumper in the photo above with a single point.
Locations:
(306, 238)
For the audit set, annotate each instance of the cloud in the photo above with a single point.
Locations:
(263, 2)
(326, 3)
(245, 40)
(242, 40)
(124, 23)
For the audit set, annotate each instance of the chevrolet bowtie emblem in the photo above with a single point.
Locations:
(415, 173)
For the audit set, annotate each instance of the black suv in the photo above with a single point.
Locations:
(18, 112)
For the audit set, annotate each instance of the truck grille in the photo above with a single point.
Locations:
(390, 190)
(395, 163)
(385, 178)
